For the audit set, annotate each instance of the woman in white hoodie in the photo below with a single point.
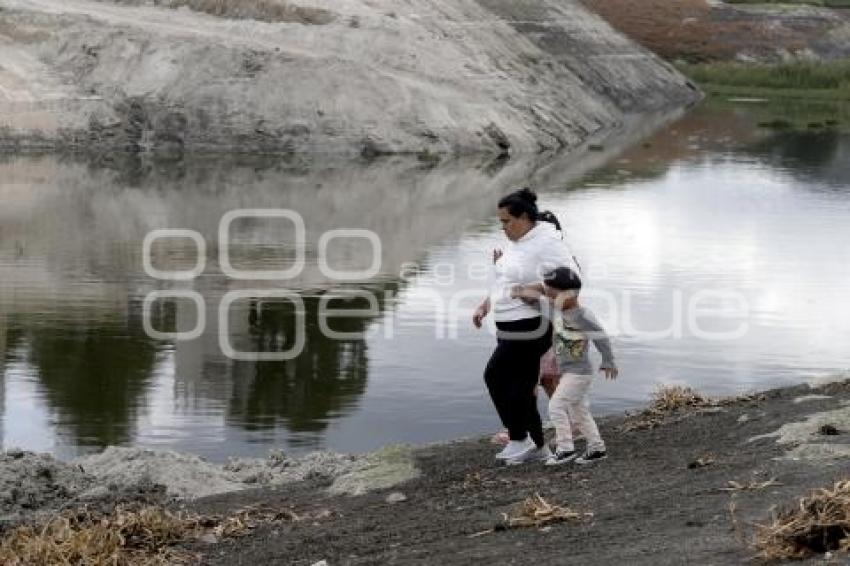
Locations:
(535, 246)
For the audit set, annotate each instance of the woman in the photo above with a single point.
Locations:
(523, 335)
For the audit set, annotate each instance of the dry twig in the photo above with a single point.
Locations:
(752, 486)
(537, 512)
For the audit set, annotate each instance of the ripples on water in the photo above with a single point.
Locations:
(752, 225)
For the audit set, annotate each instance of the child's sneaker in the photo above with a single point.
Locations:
(561, 457)
(591, 457)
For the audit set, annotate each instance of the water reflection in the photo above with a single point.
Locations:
(306, 393)
(70, 266)
(711, 201)
(822, 154)
(93, 376)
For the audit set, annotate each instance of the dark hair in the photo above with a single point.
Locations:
(563, 279)
(524, 201)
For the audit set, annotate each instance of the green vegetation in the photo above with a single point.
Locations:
(797, 114)
(798, 79)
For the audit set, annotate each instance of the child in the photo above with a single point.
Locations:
(574, 327)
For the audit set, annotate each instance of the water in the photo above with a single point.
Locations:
(717, 253)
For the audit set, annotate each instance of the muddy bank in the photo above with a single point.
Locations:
(710, 30)
(662, 497)
(355, 77)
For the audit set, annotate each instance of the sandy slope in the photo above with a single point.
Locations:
(438, 76)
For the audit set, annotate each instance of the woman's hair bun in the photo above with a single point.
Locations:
(527, 194)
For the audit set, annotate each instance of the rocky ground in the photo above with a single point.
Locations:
(711, 30)
(680, 486)
(663, 496)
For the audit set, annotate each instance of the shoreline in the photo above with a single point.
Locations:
(663, 494)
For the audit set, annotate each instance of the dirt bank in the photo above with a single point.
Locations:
(356, 77)
(707, 30)
(663, 497)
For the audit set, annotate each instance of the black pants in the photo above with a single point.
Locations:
(512, 374)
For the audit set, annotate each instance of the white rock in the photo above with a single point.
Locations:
(396, 497)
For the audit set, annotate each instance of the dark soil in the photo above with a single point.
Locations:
(656, 500)
(695, 31)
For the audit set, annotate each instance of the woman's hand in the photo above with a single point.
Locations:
(530, 294)
(481, 313)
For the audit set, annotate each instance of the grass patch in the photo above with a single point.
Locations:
(787, 114)
(817, 524)
(811, 95)
(827, 79)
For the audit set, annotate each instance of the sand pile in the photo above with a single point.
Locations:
(29, 482)
(183, 475)
(36, 482)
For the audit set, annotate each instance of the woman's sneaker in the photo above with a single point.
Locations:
(515, 447)
(561, 457)
(591, 457)
(533, 454)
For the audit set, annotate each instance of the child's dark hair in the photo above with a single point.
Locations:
(524, 201)
(562, 279)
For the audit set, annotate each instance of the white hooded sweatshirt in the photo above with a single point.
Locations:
(524, 262)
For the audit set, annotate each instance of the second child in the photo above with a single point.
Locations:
(574, 328)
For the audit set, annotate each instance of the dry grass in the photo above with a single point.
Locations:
(262, 10)
(125, 537)
(666, 400)
(675, 397)
(130, 535)
(670, 400)
(818, 524)
(535, 512)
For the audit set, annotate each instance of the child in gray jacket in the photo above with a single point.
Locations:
(574, 328)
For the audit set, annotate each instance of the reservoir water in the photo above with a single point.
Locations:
(716, 251)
